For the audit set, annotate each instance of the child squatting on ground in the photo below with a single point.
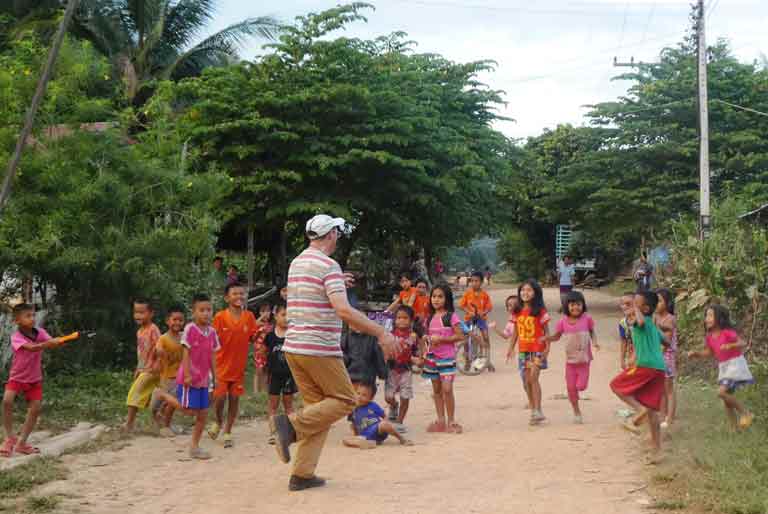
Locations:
(367, 421)
(642, 386)
(724, 344)
(578, 329)
(26, 377)
(198, 364)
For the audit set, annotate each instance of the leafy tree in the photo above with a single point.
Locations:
(155, 39)
(397, 142)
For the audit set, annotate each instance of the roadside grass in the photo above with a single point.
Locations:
(20, 480)
(711, 468)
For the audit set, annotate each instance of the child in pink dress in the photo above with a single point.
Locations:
(578, 328)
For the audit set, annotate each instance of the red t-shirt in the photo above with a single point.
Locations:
(404, 347)
(715, 344)
(530, 329)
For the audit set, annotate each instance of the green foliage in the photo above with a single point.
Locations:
(729, 267)
(635, 167)
(100, 223)
(523, 257)
(714, 468)
(397, 142)
(21, 479)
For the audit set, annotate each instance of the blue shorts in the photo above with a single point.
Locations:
(372, 433)
(195, 398)
(524, 358)
(480, 323)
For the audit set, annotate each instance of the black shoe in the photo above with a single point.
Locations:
(299, 484)
(285, 434)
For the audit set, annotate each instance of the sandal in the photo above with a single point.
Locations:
(454, 428)
(7, 449)
(25, 449)
(436, 426)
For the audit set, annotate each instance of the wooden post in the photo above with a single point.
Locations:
(251, 261)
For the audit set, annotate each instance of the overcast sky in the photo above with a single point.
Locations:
(554, 56)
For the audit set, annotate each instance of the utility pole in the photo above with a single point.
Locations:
(29, 120)
(704, 214)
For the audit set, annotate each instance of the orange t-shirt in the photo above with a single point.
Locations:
(421, 307)
(235, 337)
(530, 329)
(405, 296)
(477, 299)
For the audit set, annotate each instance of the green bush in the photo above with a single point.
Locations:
(521, 256)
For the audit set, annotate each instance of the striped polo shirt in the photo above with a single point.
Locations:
(313, 326)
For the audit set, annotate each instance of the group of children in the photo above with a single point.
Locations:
(202, 362)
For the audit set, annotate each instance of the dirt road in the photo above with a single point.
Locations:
(499, 464)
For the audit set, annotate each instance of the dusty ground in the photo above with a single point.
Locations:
(499, 464)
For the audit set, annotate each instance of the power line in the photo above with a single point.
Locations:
(741, 107)
(528, 10)
(624, 23)
(648, 21)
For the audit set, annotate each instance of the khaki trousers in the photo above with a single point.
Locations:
(328, 397)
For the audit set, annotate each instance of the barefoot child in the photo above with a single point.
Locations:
(725, 345)
(664, 318)
(368, 424)
(400, 380)
(147, 374)
(578, 327)
(198, 365)
(531, 322)
(26, 377)
(642, 386)
(476, 305)
(279, 378)
(439, 348)
(169, 353)
(236, 328)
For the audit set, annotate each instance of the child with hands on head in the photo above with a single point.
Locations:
(578, 328)
(26, 377)
(725, 345)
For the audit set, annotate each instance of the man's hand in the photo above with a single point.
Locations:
(387, 344)
(349, 280)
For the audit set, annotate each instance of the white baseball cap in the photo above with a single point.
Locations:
(321, 224)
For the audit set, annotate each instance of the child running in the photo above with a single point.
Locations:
(236, 327)
(725, 345)
(476, 305)
(579, 329)
(26, 377)
(169, 353)
(531, 329)
(400, 380)
(147, 374)
(627, 350)
(439, 348)
(665, 321)
(279, 375)
(642, 386)
(368, 424)
(198, 366)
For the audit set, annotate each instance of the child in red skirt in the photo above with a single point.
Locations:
(642, 385)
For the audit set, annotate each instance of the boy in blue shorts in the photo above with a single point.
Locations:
(198, 363)
(368, 423)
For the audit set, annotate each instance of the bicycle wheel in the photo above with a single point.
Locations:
(468, 359)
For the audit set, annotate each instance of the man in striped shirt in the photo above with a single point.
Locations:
(317, 306)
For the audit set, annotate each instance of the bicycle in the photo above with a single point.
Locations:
(472, 355)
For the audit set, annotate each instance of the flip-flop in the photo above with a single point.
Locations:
(436, 427)
(7, 449)
(26, 449)
(454, 428)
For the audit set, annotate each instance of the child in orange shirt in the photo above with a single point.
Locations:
(408, 293)
(236, 327)
(476, 305)
(531, 329)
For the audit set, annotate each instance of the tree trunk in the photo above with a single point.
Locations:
(428, 258)
(251, 261)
